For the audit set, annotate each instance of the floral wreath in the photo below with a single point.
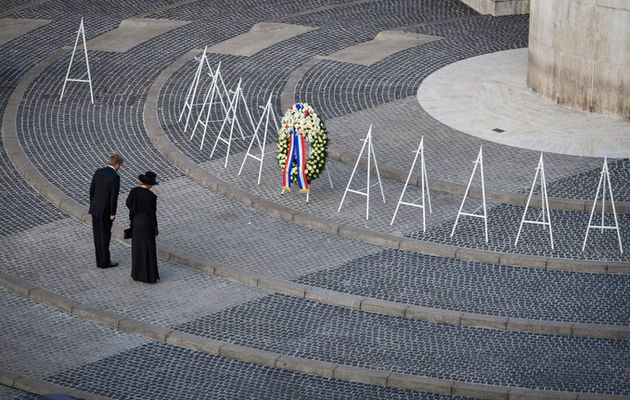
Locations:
(303, 118)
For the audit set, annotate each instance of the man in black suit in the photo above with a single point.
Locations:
(103, 201)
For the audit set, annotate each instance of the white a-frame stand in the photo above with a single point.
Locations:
(263, 123)
(544, 213)
(604, 179)
(484, 215)
(370, 154)
(424, 185)
(191, 96)
(80, 32)
(232, 116)
(214, 95)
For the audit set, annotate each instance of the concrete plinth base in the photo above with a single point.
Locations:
(488, 97)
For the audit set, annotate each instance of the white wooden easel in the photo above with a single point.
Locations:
(484, 215)
(191, 96)
(263, 123)
(546, 217)
(232, 116)
(370, 154)
(605, 179)
(80, 32)
(424, 185)
(206, 108)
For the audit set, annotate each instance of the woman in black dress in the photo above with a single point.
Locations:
(142, 204)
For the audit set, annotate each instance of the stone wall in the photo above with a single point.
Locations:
(499, 7)
(579, 54)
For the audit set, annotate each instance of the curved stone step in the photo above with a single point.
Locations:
(185, 336)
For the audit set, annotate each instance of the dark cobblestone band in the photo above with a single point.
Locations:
(39, 386)
(261, 357)
(367, 304)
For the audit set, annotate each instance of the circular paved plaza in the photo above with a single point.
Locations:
(264, 295)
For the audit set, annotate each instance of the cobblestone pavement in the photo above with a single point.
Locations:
(330, 333)
(41, 341)
(7, 393)
(60, 258)
(202, 376)
(75, 353)
(68, 140)
(414, 278)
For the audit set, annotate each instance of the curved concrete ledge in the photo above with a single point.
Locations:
(71, 207)
(518, 199)
(40, 386)
(163, 144)
(272, 359)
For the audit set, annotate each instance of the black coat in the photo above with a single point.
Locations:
(142, 204)
(104, 192)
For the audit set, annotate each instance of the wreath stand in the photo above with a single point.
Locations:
(484, 216)
(267, 115)
(605, 173)
(232, 116)
(213, 92)
(370, 154)
(424, 185)
(80, 32)
(191, 96)
(546, 217)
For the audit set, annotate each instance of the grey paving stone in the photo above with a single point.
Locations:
(141, 373)
(7, 393)
(335, 334)
(414, 278)
(59, 257)
(569, 229)
(40, 341)
(584, 185)
(224, 233)
(75, 353)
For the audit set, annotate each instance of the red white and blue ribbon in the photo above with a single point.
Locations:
(295, 154)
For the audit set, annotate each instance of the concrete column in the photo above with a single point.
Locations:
(579, 54)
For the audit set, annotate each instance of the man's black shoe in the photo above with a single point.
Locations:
(111, 264)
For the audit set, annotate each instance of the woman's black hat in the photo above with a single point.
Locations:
(148, 178)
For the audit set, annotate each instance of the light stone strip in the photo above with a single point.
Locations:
(164, 145)
(287, 98)
(132, 32)
(12, 28)
(64, 202)
(271, 359)
(40, 386)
